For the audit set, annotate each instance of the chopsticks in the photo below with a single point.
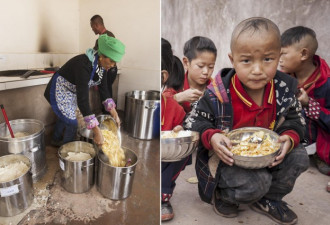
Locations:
(7, 121)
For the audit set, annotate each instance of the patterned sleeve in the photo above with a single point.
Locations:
(292, 119)
(201, 116)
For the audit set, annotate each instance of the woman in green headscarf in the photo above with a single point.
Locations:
(69, 88)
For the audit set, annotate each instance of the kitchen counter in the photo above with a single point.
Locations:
(12, 82)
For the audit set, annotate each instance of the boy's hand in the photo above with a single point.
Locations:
(285, 147)
(190, 95)
(220, 145)
(303, 97)
(177, 128)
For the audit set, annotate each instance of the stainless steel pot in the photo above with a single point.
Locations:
(142, 114)
(32, 146)
(77, 176)
(115, 182)
(16, 195)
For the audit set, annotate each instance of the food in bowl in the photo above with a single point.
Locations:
(177, 146)
(252, 136)
(258, 143)
(111, 148)
(12, 171)
(172, 134)
(110, 124)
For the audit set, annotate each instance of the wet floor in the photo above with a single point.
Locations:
(53, 205)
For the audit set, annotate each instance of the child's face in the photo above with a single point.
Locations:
(200, 68)
(290, 59)
(255, 58)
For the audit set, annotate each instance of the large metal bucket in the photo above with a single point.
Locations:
(115, 182)
(32, 146)
(77, 176)
(16, 195)
(142, 114)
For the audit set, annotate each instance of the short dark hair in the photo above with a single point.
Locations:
(295, 34)
(173, 65)
(254, 24)
(97, 19)
(196, 45)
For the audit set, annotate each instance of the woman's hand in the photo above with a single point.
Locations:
(114, 114)
(220, 145)
(190, 95)
(285, 147)
(98, 137)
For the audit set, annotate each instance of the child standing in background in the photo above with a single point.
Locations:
(200, 54)
(199, 59)
(172, 115)
(252, 94)
(298, 58)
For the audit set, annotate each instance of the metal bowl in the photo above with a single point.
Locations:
(176, 149)
(87, 135)
(109, 123)
(253, 162)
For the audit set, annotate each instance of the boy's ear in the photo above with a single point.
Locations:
(305, 54)
(164, 76)
(230, 55)
(186, 62)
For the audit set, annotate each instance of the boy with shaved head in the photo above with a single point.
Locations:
(251, 94)
(299, 45)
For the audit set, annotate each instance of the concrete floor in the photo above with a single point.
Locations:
(53, 205)
(308, 199)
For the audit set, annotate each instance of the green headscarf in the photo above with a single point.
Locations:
(111, 47)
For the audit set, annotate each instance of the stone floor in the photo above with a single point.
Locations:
(308, 199)
(53, 205)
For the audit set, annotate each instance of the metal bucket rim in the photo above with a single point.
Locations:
(83, 161)
(26, 138)
(129, 95)
(124, 167)
(2, 184)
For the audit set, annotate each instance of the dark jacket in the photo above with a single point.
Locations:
(78, 72)
(210, 112)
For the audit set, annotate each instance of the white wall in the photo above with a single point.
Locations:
(43, 33)
(137, 25)
(38, 33)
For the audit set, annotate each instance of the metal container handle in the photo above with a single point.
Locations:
(150, 107)
(130, 173)
(34, 149)
(88, 165)
(83, 167)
